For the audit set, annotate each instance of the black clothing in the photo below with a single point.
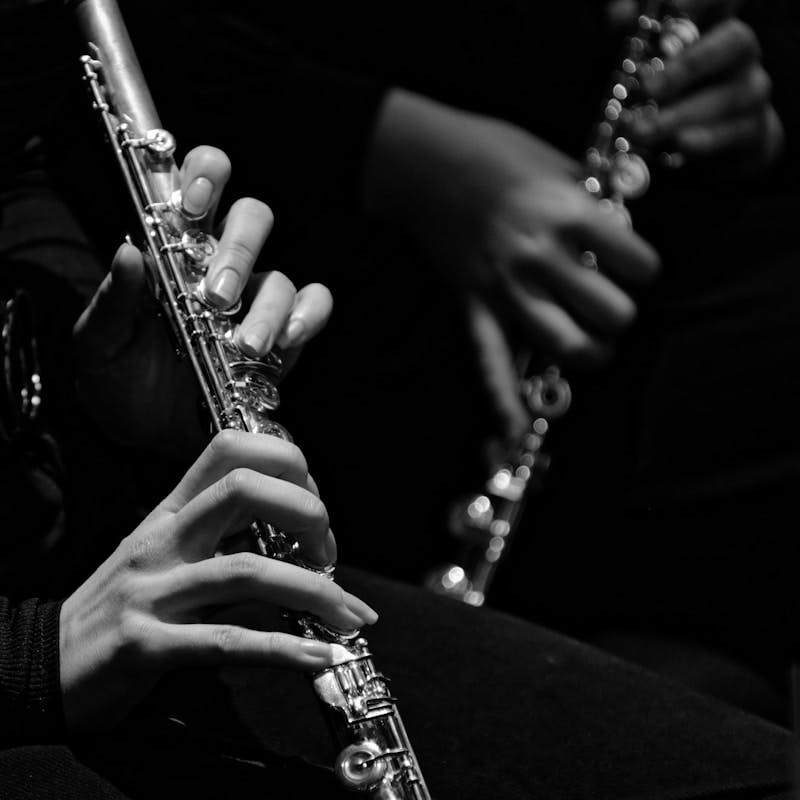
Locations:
(494, 706)
(30, 691)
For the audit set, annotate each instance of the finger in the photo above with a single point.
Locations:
(552, 332)
(204, 173)
(594, 299)
(246, 577)
(268, 314)
(246, 229)
(749, 93)
(312, 309)
(244, 495)
(497, 367)
(108, 324)
(231, 449)
(622, 253)
(229, 645)
(725, 49)
(731, 135)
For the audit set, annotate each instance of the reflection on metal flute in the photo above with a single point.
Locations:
(614, 173)
(239, 392)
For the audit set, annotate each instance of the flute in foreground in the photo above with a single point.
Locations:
(239, 392)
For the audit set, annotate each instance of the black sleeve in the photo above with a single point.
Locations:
(30, 691)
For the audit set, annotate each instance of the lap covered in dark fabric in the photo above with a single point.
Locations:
(495, 707)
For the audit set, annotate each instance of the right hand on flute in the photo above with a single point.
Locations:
(129, 379)
(500, 214)
(163, 599)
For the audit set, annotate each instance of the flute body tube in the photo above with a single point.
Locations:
(376, 757)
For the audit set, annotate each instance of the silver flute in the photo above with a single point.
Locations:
(614, 173)
(239, 392)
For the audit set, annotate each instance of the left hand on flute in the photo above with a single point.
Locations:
(129, 378)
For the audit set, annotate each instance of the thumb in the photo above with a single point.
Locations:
(108, 323)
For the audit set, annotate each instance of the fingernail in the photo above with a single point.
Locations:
(197, 197)
(316, 654)
(256, 340)
(358, 607)
(331, 550)
(295, 331)
(223, 290)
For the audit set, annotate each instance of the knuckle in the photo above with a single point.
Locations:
(744, 37)
(226, 639)
(240, 252)
(295, 459)
(242, 567)
(314, 511)
(225, 445)
(140, 552)
(134, 638)
(324, 590)
(235, 485)
(273, 643)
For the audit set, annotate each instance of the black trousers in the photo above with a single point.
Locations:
(495, 707)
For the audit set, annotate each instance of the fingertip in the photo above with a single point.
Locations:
(127, 255)
(256, 339)
(198, 196)
(315, 655)
(653, 263)
(127, 267)
(324, 294)
(331, 550)
(364, 612)
(295, 333)
(209, 162)
(313, 308)
(256, 212)
(223, 289)
(593, 356)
